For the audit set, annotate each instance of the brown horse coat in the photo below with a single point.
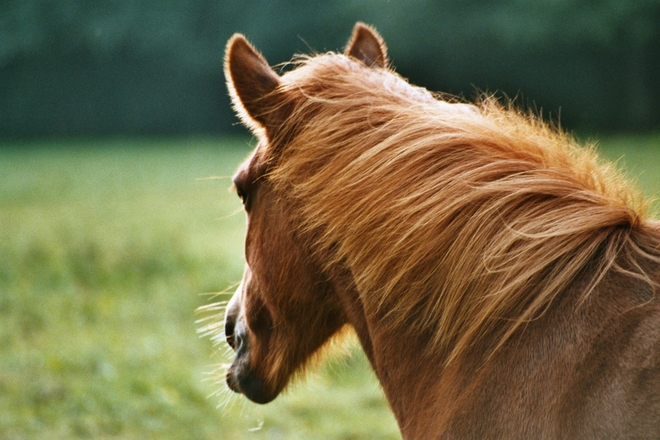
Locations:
(500, 278)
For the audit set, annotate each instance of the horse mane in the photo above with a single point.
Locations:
(462, 219)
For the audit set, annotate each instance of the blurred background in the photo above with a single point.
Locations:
(117, 143)
(155, 67)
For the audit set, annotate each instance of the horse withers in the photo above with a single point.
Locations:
(501, 279)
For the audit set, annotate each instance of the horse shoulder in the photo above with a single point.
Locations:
(613, 386)
(581, 371)
(616, 389)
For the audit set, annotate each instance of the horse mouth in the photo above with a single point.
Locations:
(243, 380)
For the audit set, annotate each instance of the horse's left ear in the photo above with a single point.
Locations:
(251, 82)
(367, 46)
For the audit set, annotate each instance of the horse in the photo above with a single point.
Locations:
(500, 277)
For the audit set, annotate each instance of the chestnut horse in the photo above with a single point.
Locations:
(501, 279)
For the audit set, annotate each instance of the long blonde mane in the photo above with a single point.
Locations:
(457, 218)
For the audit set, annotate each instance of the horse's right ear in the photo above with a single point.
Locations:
(251, 82)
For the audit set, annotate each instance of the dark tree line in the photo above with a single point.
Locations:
(155, 66)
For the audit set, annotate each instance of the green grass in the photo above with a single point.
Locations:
(106, 250)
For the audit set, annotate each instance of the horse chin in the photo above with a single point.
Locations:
(242, 379)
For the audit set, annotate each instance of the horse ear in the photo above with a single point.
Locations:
(367, 46)
(251, 82)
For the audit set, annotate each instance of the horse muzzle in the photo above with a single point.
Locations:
(241, 377)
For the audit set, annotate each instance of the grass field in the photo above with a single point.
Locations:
(106, 250)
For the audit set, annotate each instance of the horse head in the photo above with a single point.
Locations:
(285, 308)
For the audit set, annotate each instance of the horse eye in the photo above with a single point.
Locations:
(243, 195)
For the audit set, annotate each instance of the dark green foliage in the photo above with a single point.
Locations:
(149, 66)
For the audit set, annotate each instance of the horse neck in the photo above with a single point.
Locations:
(424, 394)
(395, 355)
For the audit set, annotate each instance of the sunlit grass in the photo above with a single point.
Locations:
(107, 248)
